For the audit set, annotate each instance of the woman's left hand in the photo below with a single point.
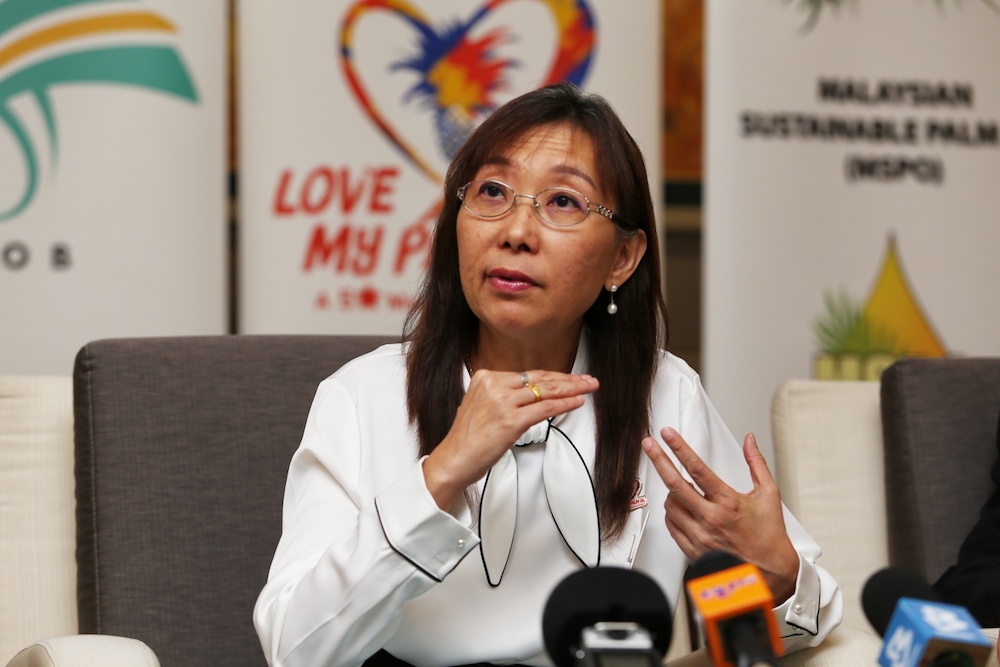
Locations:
(748, 525)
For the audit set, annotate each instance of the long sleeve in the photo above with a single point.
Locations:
(816, 606)
(346, 564)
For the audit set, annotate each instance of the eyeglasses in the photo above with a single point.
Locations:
(559, 207)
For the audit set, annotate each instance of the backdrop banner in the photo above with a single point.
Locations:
(851, 205)
(351, 110)
(112, 174)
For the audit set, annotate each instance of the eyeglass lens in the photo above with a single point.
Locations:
(556, 206)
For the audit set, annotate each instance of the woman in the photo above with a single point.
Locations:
(532, 364)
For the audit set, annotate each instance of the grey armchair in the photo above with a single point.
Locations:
(182, 448)
(939, 422)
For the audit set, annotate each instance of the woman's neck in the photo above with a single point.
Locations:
(499, 353)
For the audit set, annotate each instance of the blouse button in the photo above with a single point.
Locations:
(798, 609)
(461, 543)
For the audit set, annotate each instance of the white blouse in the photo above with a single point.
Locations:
(367, 560)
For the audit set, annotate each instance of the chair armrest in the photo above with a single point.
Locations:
(86, 651)
(845, 646)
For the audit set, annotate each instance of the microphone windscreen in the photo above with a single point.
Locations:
(599, 594)
(882, 592)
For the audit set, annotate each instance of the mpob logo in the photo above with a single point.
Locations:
(44, 46)
(899, 647)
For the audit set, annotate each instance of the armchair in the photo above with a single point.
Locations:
(939, 418)
(182, 446)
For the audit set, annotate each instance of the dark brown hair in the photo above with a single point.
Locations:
(442, 329)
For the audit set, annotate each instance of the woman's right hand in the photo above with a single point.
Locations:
(496, 410)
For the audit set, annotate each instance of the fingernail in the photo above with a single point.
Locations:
(672, 438)
(647, 444)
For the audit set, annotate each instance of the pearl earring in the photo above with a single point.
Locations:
(612, 308)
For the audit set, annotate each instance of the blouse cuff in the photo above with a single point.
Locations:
(800, 613)
(418, 530)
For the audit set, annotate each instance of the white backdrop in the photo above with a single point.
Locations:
(339, 183)
(112, 213)
(835, 138)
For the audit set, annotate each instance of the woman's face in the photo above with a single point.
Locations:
(525, 278)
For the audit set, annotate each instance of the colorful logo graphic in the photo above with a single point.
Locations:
(459, 71)
(43, 45)
(857, 343)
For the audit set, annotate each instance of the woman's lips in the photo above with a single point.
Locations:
(510, 281)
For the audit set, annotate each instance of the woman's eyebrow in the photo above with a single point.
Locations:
(573, 171)
(496, 161)
(501, 161)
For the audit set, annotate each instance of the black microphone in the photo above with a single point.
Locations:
(607, 617)
(734, 606)
(918, 628)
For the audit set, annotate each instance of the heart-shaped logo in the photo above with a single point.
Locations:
(459, 66)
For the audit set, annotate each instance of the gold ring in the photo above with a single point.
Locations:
(524, 379)
(536, 391)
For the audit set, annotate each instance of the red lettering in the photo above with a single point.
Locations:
(367, 257)
(350, 248)
(310, 205)
(281, 205)
(372, 190)
(321, 250)
(416, 239)
(350, 194)
(399, 301)
(322, 301)
(383, 187)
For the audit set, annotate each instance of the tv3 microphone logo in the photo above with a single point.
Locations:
(900, 648)
(59, 48)
(943, 620)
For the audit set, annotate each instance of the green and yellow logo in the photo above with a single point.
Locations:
(47, 43)
(858, 342)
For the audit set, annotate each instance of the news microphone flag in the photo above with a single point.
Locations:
(737, 593)
(923, 632)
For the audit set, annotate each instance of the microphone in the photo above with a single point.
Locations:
(735, 607)
(607, 617)
(918, 628)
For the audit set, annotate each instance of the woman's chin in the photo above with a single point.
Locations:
(528, 326)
